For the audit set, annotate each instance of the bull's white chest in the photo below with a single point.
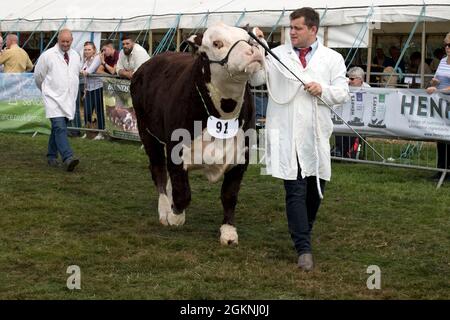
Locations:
(214, 156)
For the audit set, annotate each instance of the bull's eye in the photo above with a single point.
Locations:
(218, 44)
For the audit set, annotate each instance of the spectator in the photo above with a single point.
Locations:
(415, 67)
(14, 58)
(379, 58)
(260, 99)
(93, 88)
(438, 54)
(395, 55)
(1, 50)
(57, 76)
(348, 146)
(131, 57)
(356, 78)
(108, 57)
(390, 79)
(415, 64)
(441, 81)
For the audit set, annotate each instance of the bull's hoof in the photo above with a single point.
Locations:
(164, 208)
(176, 219)
(228, 235)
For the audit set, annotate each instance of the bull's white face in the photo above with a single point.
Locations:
(244, 59)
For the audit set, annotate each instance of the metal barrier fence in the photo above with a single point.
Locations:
(396, 151)
(89, 118)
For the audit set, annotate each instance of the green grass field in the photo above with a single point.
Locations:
(103, 218)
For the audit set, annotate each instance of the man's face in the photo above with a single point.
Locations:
(395, 53)
(355, 81)
(9, 42)
(108, 51)
(127, 45)
(65, 41)
(380, 53)
(301, 35)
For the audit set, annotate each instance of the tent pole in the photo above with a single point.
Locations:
(56, 34)
(369, 55)
(406, 46)
(32, 33)
(238, 22)
(325, 36)
(282, 37)
(179, 32)
(275, 26)
(150, 42)
(41, 43)
(116, 30)
(422, 67)
(364, 27)
(85, 29)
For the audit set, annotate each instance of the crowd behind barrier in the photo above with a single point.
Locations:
(98, 112)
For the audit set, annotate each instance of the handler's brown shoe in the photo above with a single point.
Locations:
(305, 262)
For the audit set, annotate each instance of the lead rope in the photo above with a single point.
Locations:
(316, 145)
(314, 120)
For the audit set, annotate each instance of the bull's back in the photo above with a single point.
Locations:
(155, 79)
(153, 86)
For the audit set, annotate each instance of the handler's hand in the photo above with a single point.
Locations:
(431, 90)
(434, 82)
(258, 32)
(314, 89)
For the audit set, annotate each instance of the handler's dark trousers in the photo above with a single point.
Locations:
(302, 204)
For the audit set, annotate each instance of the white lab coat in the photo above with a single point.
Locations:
(58, 82)
(291, 120)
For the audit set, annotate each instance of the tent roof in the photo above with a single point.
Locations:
(113, 15)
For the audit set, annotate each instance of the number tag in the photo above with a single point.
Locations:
(222, 129)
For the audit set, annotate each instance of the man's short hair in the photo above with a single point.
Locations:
(128, 37)
(12, 37)
(356, 72)
(309, 14)
(109, 43)
(63, 31)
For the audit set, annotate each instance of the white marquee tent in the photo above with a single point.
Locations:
(343, 20)
(128, 15)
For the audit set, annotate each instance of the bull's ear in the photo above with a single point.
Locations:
(195, 41)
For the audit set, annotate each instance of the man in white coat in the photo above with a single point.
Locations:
(298, 126)
(57, 76)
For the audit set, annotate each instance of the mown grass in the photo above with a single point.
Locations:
(103, 218)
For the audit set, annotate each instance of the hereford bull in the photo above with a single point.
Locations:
(173, 91)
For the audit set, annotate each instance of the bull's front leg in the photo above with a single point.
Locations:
(180, 193)
(229, 195)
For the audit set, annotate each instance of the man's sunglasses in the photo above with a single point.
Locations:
(351, 79)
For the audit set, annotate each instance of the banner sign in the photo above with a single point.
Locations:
(21, 106)
(120, 118)
(405, 113)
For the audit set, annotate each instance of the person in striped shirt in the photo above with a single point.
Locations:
(441, 82)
